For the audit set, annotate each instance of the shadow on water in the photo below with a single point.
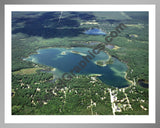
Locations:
(47, 25)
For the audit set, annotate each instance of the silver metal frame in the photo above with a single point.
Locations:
(4, 2)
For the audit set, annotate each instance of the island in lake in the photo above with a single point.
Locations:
(56, 72)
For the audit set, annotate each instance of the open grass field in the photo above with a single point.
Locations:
(27, 71)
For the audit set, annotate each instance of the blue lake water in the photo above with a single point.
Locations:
(109, 46)
(94, 31)
(65, 59)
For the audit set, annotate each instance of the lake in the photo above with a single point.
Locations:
(94, 31)
(64, 59)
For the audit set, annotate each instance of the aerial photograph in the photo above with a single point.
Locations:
(80, 63)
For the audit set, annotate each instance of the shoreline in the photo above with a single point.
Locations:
(70, 47)
(109, 58)
(79, 53)
(125, 76)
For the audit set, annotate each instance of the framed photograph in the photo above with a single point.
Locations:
(79, 64)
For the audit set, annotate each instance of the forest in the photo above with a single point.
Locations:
(35, 93)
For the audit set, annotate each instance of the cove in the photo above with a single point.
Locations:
(64, 59)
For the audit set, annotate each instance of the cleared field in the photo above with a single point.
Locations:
(27, 71)
(135, 25)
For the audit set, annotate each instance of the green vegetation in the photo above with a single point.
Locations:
(103, 62)
(135, 54)
(138, 98)
(27, 71)
(120, 95)
(34, 93)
